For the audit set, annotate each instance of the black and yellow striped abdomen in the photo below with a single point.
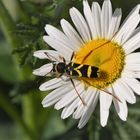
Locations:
(81, 70)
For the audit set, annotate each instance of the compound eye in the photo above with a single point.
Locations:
(61, 67)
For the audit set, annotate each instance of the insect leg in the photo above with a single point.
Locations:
(59, 75)
(99, 47)
(111, 95)
(49, 72)
(72, 56)
(49, 56)
(105, 91)
(62, 59)
(77, 91)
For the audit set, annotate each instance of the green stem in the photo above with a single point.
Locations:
(35, 116)
(8, 26)
(11, 110)
(28, 112)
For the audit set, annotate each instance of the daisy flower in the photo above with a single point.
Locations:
(96, 40)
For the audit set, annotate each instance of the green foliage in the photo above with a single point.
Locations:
(20, 87)
(7, 70)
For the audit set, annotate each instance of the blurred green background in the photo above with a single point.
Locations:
(21, 115)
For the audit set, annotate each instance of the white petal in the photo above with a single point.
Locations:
(106, 15)
(52, 55)
(126, 30)
(105, 103)
(71, 34)
(79, 111)
(70, 97)
(131, 28)
(52, 84)
(55, 95)
(133, 58)
(69, 109)
(121, 107)
(132, 44)
(89, 18)
(87, 112)
(59, 46)
(126, 92)
(128, 73)
(60, 36)
(131, 74)
(43, 70)
(128, 19)
(136, 75)
(134, 11)
(104, 114)
(80, 24)
(133, 67)
(105, 100)
(96, 11)
(115, 23)
(133, 84)
(137, 30)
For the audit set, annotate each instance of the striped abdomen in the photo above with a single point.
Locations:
(81, 70)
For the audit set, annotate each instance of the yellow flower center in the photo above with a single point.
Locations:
(108, 56)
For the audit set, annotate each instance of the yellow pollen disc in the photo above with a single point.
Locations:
(107, 56)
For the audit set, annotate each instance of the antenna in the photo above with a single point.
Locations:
(77, 92)
(105, 91)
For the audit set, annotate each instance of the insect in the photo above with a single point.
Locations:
(75, 70)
